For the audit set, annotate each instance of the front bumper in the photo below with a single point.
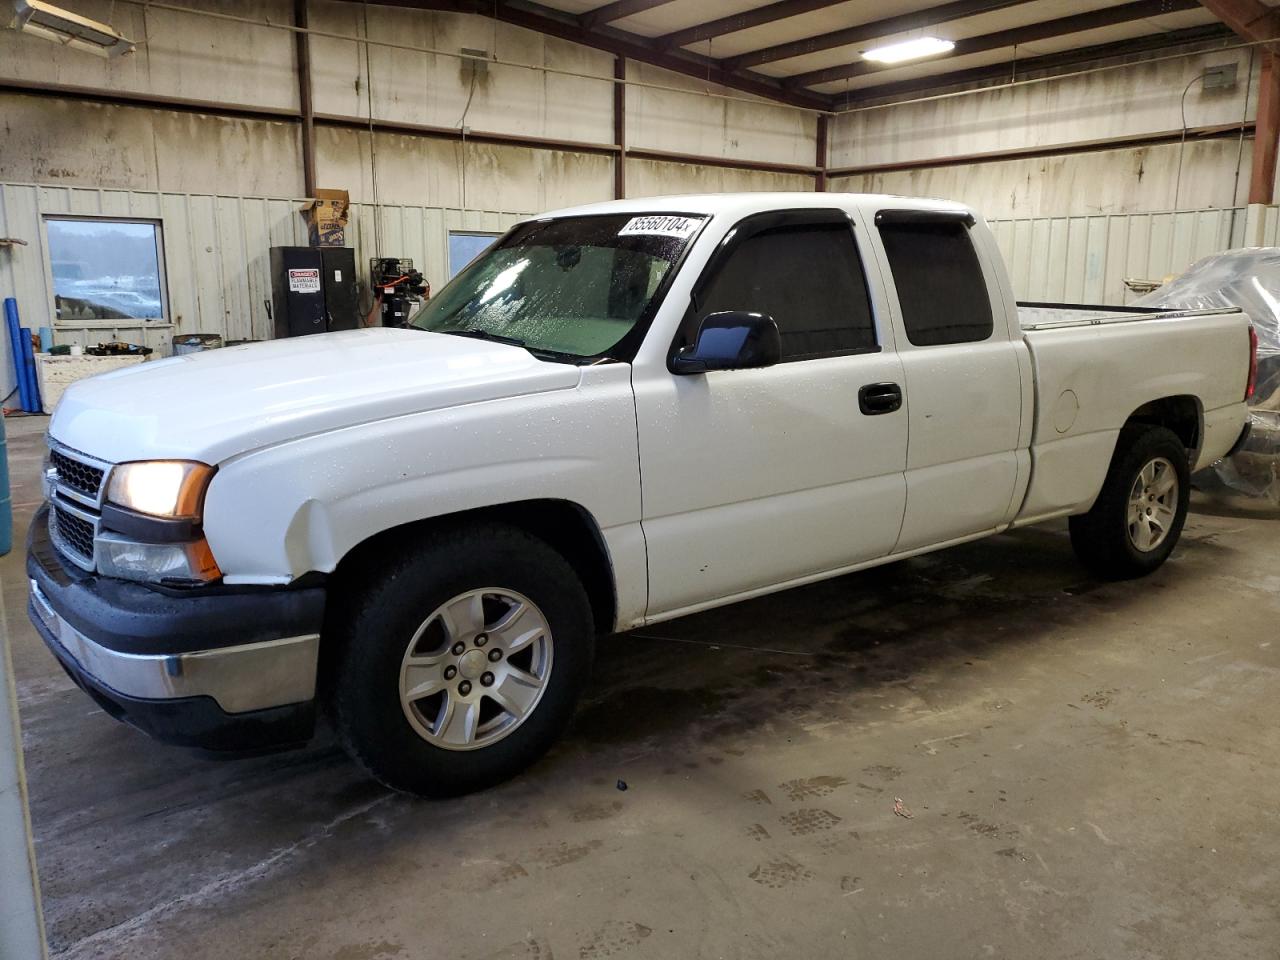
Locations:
(220, 670)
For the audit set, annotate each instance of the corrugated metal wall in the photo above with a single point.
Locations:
(216, 253)
(1087, 259)
(218, 275)
(1271, 227)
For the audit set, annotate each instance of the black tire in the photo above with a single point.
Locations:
(388, 603)
(1101, 538)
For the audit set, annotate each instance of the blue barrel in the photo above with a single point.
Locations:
(29, 369)
(6, 501)
(19, 360)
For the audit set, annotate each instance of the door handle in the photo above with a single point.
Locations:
(877, 398)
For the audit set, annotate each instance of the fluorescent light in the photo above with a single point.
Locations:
(69, 29)
(912, 49)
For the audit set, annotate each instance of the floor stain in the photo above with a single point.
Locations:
(369, 951)
(561, 854)
(777, 874)
(883, 771)
(812, 787)
(504, 874)
(613, 937)
(802, 822)
(526, 949)
(597, 810)
(984, 829)
(635, 713)
(1100, 698)
(830, 843)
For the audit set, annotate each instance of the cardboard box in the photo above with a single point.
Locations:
(326, 218)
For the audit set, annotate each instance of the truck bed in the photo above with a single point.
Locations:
(1046, 316)
(1094, 367)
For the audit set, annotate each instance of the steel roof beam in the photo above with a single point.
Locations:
(862, 32)
(1045, 30)
(1022, 68)
(1250, 19)
(618, 10)
(780, 10)
(556, 23)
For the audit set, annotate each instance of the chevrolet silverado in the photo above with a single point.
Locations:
(617, 415)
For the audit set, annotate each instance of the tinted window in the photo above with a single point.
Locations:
(941, 289)
(809, 279)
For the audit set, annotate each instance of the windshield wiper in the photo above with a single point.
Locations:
(485, 335)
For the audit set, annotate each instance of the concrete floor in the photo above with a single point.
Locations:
(1085, 770)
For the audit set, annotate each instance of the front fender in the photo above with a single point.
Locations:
(274, 514)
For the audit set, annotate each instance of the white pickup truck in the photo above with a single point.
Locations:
(618, 414)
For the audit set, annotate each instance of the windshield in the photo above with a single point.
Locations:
(575, 286)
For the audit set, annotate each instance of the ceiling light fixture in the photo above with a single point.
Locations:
(912, 49)
(69, 29)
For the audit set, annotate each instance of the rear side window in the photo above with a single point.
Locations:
(809, 279)
(941, 289)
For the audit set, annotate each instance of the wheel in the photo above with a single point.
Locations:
(1137, 519)
(460, 660)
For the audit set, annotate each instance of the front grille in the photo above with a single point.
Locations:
(80, 477)
(74, 487)
(73, 534)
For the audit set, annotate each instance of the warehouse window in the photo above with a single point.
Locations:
(465, 247)
(809, 279)
(941, 287)
(106, 269)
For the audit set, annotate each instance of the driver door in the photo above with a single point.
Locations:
(756, 478)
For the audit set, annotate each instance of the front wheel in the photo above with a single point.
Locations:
(1138, 517)
(460, 660)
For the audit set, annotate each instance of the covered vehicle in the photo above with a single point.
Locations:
(1249, 279)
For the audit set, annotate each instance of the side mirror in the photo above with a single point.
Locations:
(732, 340)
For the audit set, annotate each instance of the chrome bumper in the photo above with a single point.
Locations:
(253, 676)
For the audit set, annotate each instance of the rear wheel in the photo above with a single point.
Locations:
(1137, 519)
(461, 660)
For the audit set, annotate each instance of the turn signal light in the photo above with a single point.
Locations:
(174, 563)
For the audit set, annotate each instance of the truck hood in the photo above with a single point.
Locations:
(214, 405)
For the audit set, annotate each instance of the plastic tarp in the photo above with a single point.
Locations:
(1250, 279)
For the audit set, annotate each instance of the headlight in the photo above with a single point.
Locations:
(156, 562)
(160, 488)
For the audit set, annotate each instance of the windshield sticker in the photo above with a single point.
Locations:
(665, 226)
